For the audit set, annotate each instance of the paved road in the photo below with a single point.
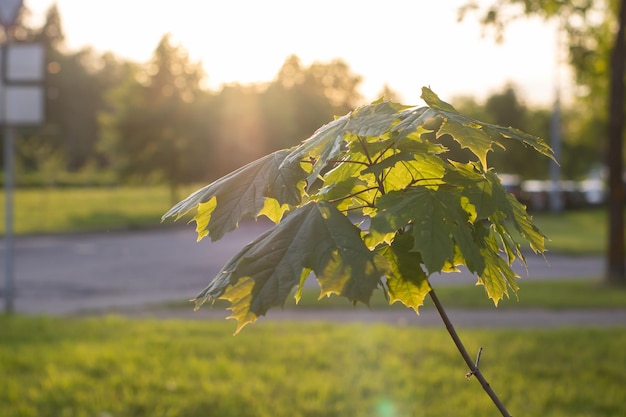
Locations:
(71, 274)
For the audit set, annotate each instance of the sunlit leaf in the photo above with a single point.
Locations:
(434, 102)
(315, 237)
(386, 163)
(476, 186)
(469, 136)
(406, 282)
(325, 144)
(511, 133)
(244, 193)
(374, 119)
(516, 213)
(497, 275)
(437, 218)
(476, 136)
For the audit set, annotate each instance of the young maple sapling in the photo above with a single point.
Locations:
(418, 212)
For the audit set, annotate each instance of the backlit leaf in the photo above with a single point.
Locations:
(436, 218)
(325, 144)
(243, 193)
(469, 136)
(406, 282)
(497, 275)
(315, 237)
(516, 213)
(478, 137)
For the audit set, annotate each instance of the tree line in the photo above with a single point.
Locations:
(155, 121)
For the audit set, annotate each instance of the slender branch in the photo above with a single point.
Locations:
(474, 370)
(355, 194)
(365, 151)
(406, 166)
(384, 174)
(348, 161)
(358, 208)
(382, 153)
(337, 161)
(416, 180)
(381, 186)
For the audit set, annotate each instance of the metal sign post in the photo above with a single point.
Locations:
(22, 73)
(9, 139)
(8, 12)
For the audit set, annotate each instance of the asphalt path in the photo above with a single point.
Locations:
(80, 273)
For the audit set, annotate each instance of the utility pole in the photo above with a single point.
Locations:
(556, 194)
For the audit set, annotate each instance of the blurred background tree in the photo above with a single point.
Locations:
(596, 42)
(300, 99)
(506, 108)
(156, 126)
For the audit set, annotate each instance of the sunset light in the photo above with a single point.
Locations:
(403, 44)
(375, 194)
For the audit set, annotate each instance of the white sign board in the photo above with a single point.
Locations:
(25, 63)
(21, 90)
(24, 105)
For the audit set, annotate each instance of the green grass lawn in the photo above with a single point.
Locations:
(583, 231)
(59, 210)
(124, 367)
(561, 294)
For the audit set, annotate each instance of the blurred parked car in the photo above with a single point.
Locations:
(512, 184)
(594, 190)
(573, 194)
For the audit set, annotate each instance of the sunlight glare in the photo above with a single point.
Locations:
(401, 43)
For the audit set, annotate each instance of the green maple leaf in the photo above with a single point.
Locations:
(468, 135)
(515, 212)
(476, 186)
(478, 137)
(497, 276)
(316, 237)
(331, 140)
(406, 282)
(389, 162)
(376, 119)
(438, 220)
(325, 144)
(443, 235)
(265, 186)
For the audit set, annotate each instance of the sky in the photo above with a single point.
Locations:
(405, 44)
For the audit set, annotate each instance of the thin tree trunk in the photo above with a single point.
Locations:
(616, 273)
(473, 366)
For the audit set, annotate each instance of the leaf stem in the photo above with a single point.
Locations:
(355, 194)
(381, 154)
(379, 181)
(416, 180)
(473, 366)
(337, 161)
(347, 161)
